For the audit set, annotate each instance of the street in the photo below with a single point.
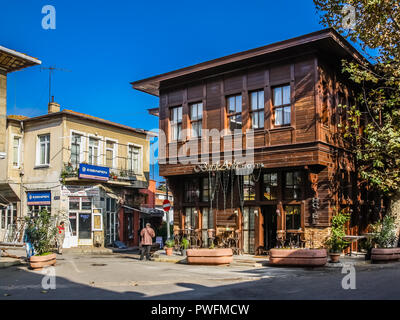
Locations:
(123, 276)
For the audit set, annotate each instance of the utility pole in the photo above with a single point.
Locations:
(168, 224)
(51, 70)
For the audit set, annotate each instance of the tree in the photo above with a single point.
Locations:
(374, 121)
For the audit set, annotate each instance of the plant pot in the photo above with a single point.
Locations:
(368, 255)
(382, 255)
(210, 256)
(298, 257)
(335, 257)
(39, 262)
(168, 251)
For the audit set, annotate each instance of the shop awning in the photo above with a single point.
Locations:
(152, 212)
(7, 194)
(110, 192)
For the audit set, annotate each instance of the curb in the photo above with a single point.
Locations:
(9, 262)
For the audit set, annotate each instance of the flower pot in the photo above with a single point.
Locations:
(39, 262)
(335, 257)
(168, 251)
(298, 257)
(382, 255)
(210, 256)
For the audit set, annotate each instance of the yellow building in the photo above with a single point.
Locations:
(85, 170)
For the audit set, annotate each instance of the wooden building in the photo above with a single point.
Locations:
(287, 92)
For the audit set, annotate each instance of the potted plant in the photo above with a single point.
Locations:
(42, 232)
(336, 244)
(169, 245)
(385, 240)
(184, 246)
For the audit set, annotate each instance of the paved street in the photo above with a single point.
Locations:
(123, 276)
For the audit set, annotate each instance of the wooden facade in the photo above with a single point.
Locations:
(308, 149)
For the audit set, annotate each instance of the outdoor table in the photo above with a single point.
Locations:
(353, 239)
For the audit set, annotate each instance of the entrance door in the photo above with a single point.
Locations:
(85, 229)
(270, 226)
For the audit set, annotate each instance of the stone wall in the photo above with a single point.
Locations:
(316, 237)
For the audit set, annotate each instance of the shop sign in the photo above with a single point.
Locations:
(39, 198)
(213, 167)
(88, 171)
(80, 191)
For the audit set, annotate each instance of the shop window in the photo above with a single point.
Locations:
(293, 185)
(8, 216)
(192, 191)
(271, 186)
(72, 223)
(80, 203)
(293, 217)
(190, 218)
(249, 188)
(249, 229)
(205, 192)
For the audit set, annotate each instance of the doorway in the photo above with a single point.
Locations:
(270, 226)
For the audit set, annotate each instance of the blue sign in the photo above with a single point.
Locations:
(88, 171)
(39, 198)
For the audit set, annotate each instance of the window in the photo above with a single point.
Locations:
(176, 123)
(270, 186)
(257, 109)
(234, 111)
(8, 216)
(110, 145)
(16, 151)
(249, 188)
(207, 222)
(282, 107)
(293, 184)
(44, 150)
(293, 217)
(76, 149)
(134, 156)
(196, 116)
(248, 229)
(35, 209)
(192, 191)
(190, 218)
(80, 203)
(205, 190)
(93, 151)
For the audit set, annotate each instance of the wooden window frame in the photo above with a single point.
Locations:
(258, 110)
(230, 115)
(198, 120)
(178, 123)
(265, 184)
(293, 186)
(282, 106)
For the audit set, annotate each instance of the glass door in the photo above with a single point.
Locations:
(248, 230)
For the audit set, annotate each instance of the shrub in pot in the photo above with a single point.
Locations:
(169, 245)
(184, 246)
(42, 232)
(385, 240)
(335, 242)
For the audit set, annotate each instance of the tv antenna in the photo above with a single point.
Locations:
(51, 70)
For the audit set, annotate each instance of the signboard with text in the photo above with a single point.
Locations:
(39, 198)
(88, 171)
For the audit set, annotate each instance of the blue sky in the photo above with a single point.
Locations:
(108, 44)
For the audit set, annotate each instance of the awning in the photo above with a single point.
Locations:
(128, 208)
(152, 212)
(7, 194)
(110, 192)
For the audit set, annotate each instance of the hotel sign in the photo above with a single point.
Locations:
(39, 198)
(225, 166)
(88, 171)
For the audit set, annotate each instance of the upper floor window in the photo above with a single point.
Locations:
(43, 157)
(205, 190)
(110, 153)
(196, 119)
(134, 156)
(282, 107)
(234, 111)
(293, 185)
(16, 151)
(176, 123)
(270, 186)
(257, 109)
(93, 151)
(76, 149)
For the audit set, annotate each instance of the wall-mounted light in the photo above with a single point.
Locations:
(278, 212)
(256, 212)
(236, 212)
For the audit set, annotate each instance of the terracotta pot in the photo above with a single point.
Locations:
(298, 257)
(335, 257)
(168, 251)
(381, 255)
(209, 256)
(38, 262)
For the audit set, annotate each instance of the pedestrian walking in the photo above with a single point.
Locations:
(30, 251)
(60, 237)
(147, 234)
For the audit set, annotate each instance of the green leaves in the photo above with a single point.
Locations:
(42, 231)
(335, 242)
